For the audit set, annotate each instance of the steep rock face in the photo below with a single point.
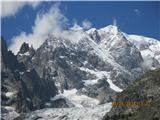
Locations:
(34, 92)
(123, 51)
(144, 89)
(7, 57)
(4, 53)
(24, 48)
(52, 64)
(25, 54)
(8, 82)
(22, 87)
(93, 33)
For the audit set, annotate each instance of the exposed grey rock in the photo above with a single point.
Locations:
(24, 48)
(22, 87)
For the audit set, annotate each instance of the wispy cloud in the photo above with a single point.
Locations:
(86, 24)
(114, 21)
(47, 23)
(137, 11)
(11, 8)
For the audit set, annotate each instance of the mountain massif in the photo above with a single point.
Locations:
(78, 71)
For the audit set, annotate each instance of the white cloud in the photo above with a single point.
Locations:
(137, 11)
(47, 23)
(10, 8)
(86, 24)
(74, 36)
(115, 22)
(76, 26)
(147, 63)
(51, 22)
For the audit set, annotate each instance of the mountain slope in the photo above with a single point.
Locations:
(123, 51)
(145, 88)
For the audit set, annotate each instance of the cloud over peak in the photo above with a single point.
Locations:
(86, 24)
(50, 22)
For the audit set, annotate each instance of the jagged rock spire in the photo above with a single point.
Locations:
(24, 48)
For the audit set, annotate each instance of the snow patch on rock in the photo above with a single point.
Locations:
(100, 75)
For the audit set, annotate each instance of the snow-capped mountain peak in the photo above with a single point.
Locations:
(91, 30)
(111, 29)
(149, 48)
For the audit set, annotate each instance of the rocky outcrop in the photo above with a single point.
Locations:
(22, 87)
(25, 55)
(34, 91)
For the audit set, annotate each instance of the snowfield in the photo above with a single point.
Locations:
(75, 113)
(90, 111)
(10, 114)
(71, 97)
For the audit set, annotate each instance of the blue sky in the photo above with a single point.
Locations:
(141, 18)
